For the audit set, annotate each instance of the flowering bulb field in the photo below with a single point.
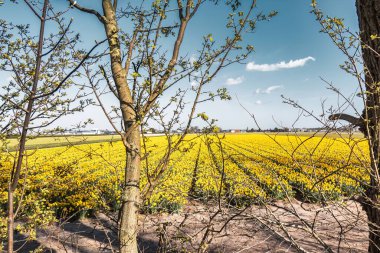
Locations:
(243, 168)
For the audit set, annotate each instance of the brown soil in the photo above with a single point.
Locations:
(276, 228)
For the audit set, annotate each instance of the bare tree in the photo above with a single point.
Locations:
(141, 70)
(41, 69)
(368, 83)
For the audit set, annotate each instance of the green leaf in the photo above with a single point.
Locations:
(375, 37)
(135, 75)
(210, 37)
(203, 116)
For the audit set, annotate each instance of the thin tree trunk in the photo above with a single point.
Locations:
(10, 220)
(369, 23)
(131, 197)
(16, 171)
(131, 193)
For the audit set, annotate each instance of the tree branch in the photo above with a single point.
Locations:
(104, 73)
(71, 72)
(87, 10)
(33, 10)
(60, 39)
(351, 119)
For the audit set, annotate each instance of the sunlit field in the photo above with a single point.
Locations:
(189, 126)
(245, 168)
(57, 141)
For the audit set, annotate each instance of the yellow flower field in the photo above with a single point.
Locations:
(242, 168)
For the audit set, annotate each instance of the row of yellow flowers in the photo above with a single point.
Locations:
(245, 167)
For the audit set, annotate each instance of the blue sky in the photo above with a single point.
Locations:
(290, 58)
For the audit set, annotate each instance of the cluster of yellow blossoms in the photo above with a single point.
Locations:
(235, 166)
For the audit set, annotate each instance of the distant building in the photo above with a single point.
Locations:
(90, 132)
(83, 132)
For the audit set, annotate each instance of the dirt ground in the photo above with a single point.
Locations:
(280, 227)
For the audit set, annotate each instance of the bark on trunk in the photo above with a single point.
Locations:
(10, 220)
(131, 197)
(373, 214)
(369, 23)
(131, 193)
(15, 174)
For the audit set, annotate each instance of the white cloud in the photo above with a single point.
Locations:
(252, 66)
(258, 102)
(235, 81)
(269, 90)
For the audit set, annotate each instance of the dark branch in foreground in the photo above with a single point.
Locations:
(351, 119)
